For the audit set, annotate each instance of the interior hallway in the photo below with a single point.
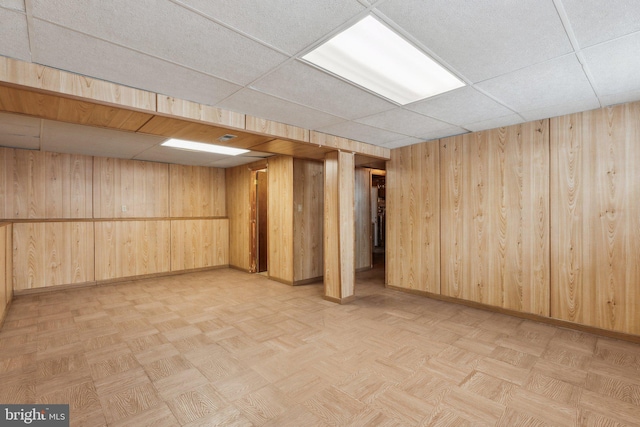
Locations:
(227, 348)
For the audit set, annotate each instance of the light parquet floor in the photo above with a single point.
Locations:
(228, 348)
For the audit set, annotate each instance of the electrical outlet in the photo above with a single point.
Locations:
(124, 208)
(299, 208)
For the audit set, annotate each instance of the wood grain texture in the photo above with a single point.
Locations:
(344, 144)
(596, 218)
(238, 183)
(5, 295)
(291, 148)
(52, 107)
(131, 248)
(199, 243)
(199, 112)
(57, 81)
(197, 191)
(281, 130)
(413, 218)
(142, 188)
(495, 217)
(280, 218)
(339, 226)
(308, 201)
(8, 273)
(38, 185)
(52, 253)
(363, 249)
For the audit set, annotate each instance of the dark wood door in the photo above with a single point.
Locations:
(261, 190)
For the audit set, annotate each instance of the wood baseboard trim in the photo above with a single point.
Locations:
(277, 279)
(308, 281)
(114, 281)
(528, 316)
(361, 269)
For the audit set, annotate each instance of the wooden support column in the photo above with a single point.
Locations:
(339, 227)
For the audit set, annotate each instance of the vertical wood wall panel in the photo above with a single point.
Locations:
(39, 185)
(238, 181)
(495, 217)
(413, 218)
(131, 248)
(596, 218)
(308, 200)
(197, 191)
(363, 257)
(52, 253)
(280, 218)
(140, 186)
(199, 243)
(339, 226)
(5, 256)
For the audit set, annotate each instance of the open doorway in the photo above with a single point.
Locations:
(378, 216)
(259, 221)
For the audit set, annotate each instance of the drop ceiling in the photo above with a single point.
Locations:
(521, 60)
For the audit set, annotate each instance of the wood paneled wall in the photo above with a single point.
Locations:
(238, 181)
(130, 188)
(6, 259)
(38, 185)
(73, 195)
(413, 218)
(308, 200)
(595, 228)
(495, 217)
(362, 206)
(280, 219)
(132, 248)
(339, 226)
(199, 243)
(197, 191)
(52, 253)
(539, 218)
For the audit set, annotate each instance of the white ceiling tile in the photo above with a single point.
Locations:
(483, 39)
(404, 122)
(65, 49)
(261, 105)
(62, 137)
(14, 38)
(620, 98)
(596, 21)
(316, 89)
(541, 85)
(165, 30)
(13, 4)
(570, 107)
(289, 25)
(182, 157)
(442, 133)
(464, 105)
(18, 131)
(360, 132)
(508, 120)
(402, 142)
(615, 66)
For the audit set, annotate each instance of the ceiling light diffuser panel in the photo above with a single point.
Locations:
(373, 56)
(201, 146)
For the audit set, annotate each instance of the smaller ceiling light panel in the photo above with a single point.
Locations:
(373, 56)
(201, 146)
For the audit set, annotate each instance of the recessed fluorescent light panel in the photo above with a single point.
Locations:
(201, 146)
(373, 56)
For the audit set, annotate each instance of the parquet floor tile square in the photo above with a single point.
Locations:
(227, 348)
